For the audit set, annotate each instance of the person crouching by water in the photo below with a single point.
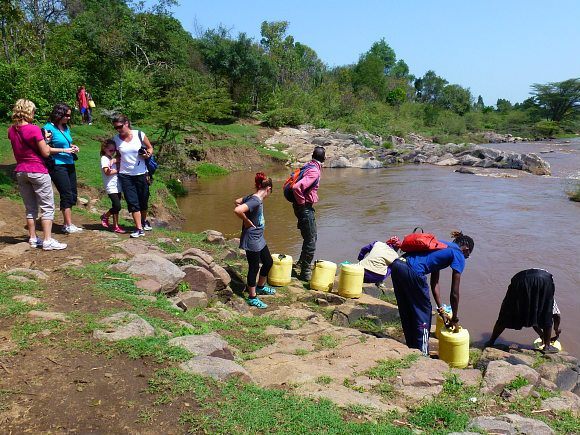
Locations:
(250, 209)
(529, 302)
(376, 258)
(409, 276)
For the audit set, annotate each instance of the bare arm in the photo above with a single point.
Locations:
(241, 211)
(239, 201)
(435, 288)
(148, 145)
(43, 148)
(455, 281)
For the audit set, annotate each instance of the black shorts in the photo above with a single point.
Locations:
(136, 191)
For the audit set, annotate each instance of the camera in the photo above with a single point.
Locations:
(43, 131)
(142, 151)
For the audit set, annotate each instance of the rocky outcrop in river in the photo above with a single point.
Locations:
(369, 152)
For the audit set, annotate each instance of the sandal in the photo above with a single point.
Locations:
(549, 349)
(266, 290)
(255, 302)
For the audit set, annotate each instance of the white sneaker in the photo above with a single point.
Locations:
(70, 229)
(136, 234)
(35, 242)
(53, 245)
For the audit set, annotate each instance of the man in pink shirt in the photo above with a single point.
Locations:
(305, 196)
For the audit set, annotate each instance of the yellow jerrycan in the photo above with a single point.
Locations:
(350, 280)
(454, 347)
(439, 324)
(323, 275)
(281, 272)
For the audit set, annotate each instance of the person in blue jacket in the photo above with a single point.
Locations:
(409, 276)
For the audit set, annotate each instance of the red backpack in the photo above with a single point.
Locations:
(421, 242)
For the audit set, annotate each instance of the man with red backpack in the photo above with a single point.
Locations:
(305, 195)
(409, 276)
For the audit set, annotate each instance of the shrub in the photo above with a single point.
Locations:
(546, 128)
(284, 116)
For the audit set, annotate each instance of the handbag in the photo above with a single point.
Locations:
(75, 157)
(92, 104)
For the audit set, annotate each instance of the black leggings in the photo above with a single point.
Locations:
(254, 258)
(115, 203)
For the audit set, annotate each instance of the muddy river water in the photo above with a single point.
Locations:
(517, 223)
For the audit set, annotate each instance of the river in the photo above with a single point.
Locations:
(517, 223)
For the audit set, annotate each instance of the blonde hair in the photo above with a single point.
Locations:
(23, 110)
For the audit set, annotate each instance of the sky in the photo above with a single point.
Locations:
(495, 48)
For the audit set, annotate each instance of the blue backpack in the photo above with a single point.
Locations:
(150, 162)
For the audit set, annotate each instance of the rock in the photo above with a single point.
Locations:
(566, 402)
(424, 378)
(561, 374)
(214, 237)
(149, 286)
(47, 315)
(25, 299)
(520, 358)
(491, 354)
(322, 302)
(148, 298)
(194, 253)
(155, 267)
(222, 277)
(138, 246)
(211, 344)
(366, 163)
(15, 250)
(468, 160)
(174, 257)
(199, 279)
(510, 424)
(330, 298)
(349, 312)
(340, 162)
(31, 273)
(124, 325)
(238, 305)
(83, 201)
(548, 385)
(225, 294)
(19, 278)
(464, 170)
(500, 373)
(447, 162)
(193, 299)
(217, 368)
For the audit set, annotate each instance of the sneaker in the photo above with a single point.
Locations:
(105, 221)
(53, 245)
(147, 226)
(256, 302)
(35, 242)
(266, 290)
(70, 229)
(119, 230)
(138, 233)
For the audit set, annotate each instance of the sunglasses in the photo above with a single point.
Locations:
(118, 126)
(66, 116)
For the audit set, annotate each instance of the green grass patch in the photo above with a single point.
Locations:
(327, 341)
(25, 333)
(278, 155)
(204, 170)
(389, 368)
(158, 348)
(323, 380)
(301, 352)
(438, 418)
(171, 383)
(389, 297)
(9, 289)
(517, 383)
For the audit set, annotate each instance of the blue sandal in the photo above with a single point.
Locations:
(266, 290)
(255, 302)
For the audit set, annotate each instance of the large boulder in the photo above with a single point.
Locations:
(561, 374)
(511, 424)
(211, 344)
(217, 368)
(500, 373)
(155, 267)
(199, 279)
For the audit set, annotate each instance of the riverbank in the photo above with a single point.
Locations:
(66, 366)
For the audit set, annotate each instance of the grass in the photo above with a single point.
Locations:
(301, 352)
(323, 380)
(517, 383)
(8, 289)
(327, 341)
(389, 368)
(25, 333)
(389, 297)
(204, 170)
(575, 196)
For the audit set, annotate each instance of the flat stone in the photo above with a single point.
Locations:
(148, 285)
(149, 298)
(344, 396)
(193, 299)
(19, 278)
(124, 325)
(211, 344)
(561, 374)
(47, 315)
(193, 253)
(566, 402)
(15, 250)
(500, 373)
(32, 273)
(222, 277)
(138, 246)
(516, 425)
(424, 378)
(174, 257)
(217, 368)
(25, 299)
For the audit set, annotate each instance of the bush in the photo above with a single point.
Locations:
(546, 128)
(284, 116)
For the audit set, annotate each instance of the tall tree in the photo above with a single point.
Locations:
(558, 100)
(42, 14)
(430, 87)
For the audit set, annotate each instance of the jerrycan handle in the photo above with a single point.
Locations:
(281, 257)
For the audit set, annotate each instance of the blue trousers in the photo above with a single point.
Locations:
(414, 302)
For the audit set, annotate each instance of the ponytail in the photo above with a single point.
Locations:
(462, 240)
(261, 181)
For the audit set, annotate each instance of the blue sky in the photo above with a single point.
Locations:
(495, 48)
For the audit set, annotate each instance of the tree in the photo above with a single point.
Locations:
(558, 100)
(430, 87)
(373, 67)
(42, 14)
(503, 105)
(479, 104)
(456, 98)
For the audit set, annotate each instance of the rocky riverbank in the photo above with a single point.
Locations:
(122, 335)
(369, 152)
